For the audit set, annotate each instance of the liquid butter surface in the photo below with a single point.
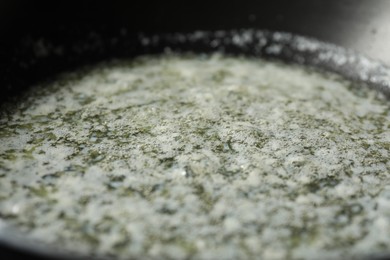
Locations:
(196, 156)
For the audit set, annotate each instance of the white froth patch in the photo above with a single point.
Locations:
(200, 157)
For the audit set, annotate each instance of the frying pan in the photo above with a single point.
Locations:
(40, 39)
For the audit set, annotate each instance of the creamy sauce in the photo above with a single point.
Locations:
(210, 157)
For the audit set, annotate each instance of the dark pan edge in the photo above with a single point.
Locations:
(259, 43)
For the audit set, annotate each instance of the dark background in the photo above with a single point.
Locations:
(361, 25)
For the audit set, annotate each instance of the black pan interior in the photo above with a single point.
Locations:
(283, 46)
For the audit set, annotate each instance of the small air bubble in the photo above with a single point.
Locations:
(167, 50)
(214, 43)
(145, 41)
(15, 209)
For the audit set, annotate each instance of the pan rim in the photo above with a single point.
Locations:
(284, 46)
